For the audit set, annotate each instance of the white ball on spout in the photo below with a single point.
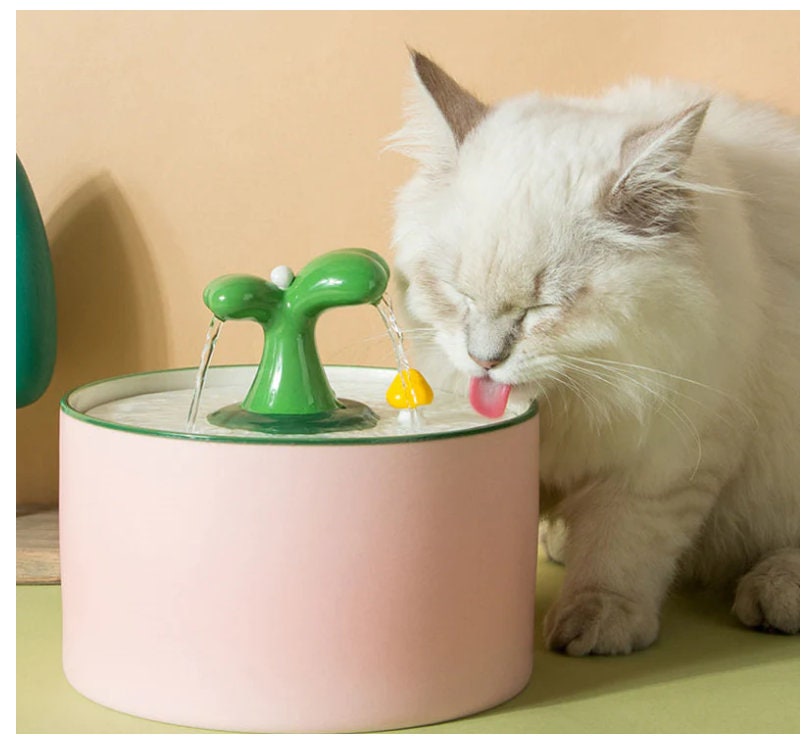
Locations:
(282, 276)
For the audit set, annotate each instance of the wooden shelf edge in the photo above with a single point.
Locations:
(37, 545)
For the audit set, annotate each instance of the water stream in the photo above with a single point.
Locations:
(385, 307)
(411, 417)
(200, 379)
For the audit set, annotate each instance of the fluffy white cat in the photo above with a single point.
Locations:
(633, 261)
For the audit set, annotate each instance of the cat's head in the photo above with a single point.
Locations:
(539, 229)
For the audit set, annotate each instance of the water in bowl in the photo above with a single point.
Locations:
(185, 411)
(165, 411)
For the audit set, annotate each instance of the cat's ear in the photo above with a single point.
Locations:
(650, 196)
(440, 114)
(461, 110)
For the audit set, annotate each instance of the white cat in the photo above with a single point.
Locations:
(633, 261)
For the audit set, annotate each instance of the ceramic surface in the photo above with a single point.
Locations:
(287, 587)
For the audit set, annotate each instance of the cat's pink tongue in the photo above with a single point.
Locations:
(487, 397)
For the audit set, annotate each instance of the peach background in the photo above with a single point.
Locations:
(167, 148)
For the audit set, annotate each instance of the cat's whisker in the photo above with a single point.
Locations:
(415, 336)
(590, 405)
(595, 402)
(542, 389)
(539, 386)
(412, 331)
(627, 365)
(425, 341)
(665, 403)
(563, 396)
(610, 398)
(620, 390)
(369, 339)
(620, 369)
(667, 408)
(656, 391)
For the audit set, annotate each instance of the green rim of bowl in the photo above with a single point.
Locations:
(324, 439)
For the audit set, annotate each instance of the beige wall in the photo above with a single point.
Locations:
(167, 148)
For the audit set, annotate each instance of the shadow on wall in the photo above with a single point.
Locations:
(109, 319)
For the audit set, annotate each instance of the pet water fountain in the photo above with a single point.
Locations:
(294, 554)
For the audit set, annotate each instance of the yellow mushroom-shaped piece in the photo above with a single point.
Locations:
(409, 390)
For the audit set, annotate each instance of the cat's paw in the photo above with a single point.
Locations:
(768, 596)
(599, 621)
(553, 539)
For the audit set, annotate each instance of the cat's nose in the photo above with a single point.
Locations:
(487, 363)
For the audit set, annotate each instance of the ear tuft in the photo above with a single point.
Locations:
(461, 110)
(650, 196)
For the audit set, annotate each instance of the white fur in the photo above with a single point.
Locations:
(669, 386)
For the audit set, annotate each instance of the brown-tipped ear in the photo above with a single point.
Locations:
(461, 110)
(649, 195)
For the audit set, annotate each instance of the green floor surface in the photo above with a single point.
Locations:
(706, 674)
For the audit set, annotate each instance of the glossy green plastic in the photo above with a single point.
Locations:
(290, 379)
(36, 299)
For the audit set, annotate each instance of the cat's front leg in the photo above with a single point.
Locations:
(552, 537)
(621, 553)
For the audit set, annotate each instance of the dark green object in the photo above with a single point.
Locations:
(36, 300)
(290, 392)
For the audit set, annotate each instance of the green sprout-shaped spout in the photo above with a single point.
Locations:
(290, 392)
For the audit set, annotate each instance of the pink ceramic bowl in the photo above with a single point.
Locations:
(315, 586)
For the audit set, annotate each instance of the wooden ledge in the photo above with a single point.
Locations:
(37, 545)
